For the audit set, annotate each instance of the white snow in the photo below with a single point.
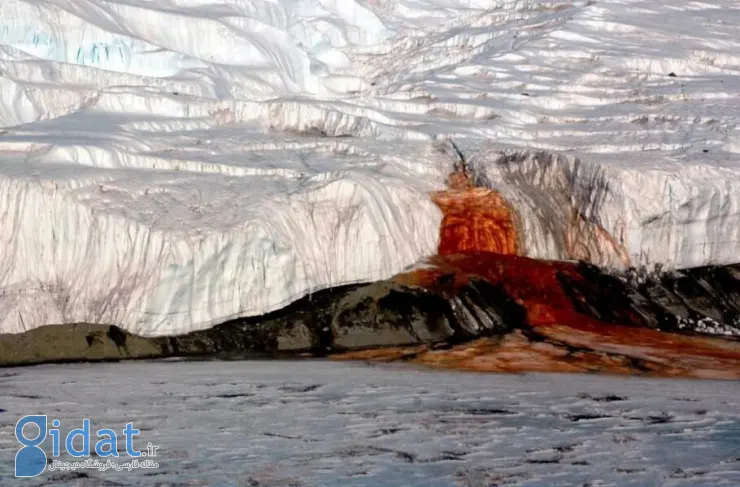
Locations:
(166, 166)
(329, 424)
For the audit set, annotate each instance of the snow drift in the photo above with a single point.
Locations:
(165, 166)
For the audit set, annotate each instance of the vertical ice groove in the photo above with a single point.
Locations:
(65, 262)
(683, 218)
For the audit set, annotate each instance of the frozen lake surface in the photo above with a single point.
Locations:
(315, 423)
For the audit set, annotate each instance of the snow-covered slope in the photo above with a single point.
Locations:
(168, 165)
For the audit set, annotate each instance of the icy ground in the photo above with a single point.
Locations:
(337, 424)
(166, 166)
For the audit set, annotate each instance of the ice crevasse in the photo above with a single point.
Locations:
(167, 166)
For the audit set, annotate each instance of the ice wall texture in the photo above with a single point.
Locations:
(617, 214)
(165, 166)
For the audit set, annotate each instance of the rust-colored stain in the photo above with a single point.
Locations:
(590, 242)
(478, 239)
(653, 354)
(566, 340)
(475, 219)
(532, 283)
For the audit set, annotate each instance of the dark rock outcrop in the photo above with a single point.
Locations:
(455, 300)
(696, 299)
(334, 320)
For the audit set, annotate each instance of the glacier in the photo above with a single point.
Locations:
(167, 166)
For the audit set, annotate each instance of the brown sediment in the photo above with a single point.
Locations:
(478, 240)
(638, 352)
(660, 353)
(557, 337)
(567, 339)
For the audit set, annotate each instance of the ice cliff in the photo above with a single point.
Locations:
(166, 166)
